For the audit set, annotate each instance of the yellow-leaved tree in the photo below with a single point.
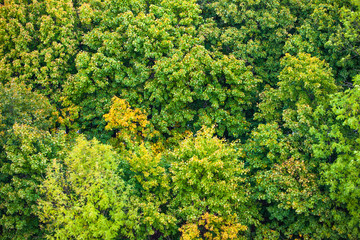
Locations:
(131, 124)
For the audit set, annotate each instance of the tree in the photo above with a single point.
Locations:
(19, 104)
(155, 59)
(132, 124)
(26, 154)
(294, 202)
(342, 141)
(208, 181)
(84, 197)
(25, 149)
(146, 173)
(213, 227)
(255, 31)
(300, 102)
(281, 153)
(38, 44)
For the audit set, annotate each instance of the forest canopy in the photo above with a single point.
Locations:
(179, 119)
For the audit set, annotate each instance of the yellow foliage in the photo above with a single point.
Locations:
(67, 116)
(190, 231)
(213, 228)
(132, 123)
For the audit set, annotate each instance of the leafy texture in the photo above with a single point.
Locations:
(26, 155)
(84, 197)
(208, 178)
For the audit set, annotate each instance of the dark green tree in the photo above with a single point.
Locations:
(281, 153)
(156, 60)
(23, 163)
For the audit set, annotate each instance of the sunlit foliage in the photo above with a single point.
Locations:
(179, 119)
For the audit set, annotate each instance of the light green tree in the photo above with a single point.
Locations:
(341, 143)
(299, 104)
(145, 171)
(208, 178)
(38, 42)
(84, 196)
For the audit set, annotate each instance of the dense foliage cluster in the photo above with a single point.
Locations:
(179, 119)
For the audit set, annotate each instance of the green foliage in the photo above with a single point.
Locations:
(342, 176)
(26, 155)
(346, 41)
(343, 140)
(84, 196)
(38, 43)
(295, 203)
(305, 82)
(156, 60)
(300, 102)
(208, 177)
(321, 35)
(151, 194)
(261, 32)
(25, 149)
(282, 153)
(19, 104)
(266, 146)
(256, 31)
(277, 77)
